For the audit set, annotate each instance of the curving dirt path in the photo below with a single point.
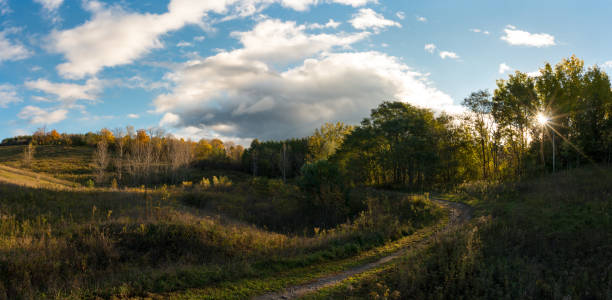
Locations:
(459, 214)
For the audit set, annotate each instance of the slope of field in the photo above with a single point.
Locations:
(32, 179)
(57, 241)
(72, 163)
(545, 238)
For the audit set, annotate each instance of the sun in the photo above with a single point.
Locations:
(542, 119)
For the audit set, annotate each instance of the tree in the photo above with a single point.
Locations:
(107, 135)
(324, 142)
(480, 105)
(203, 149)
(397, 145)
(53, 137)
(121, 142)
(283, 161)
(28, 154)
(101, 159)
(514, 107)
(322, 183)
(142, 137)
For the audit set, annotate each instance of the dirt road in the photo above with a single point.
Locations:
(459, 214)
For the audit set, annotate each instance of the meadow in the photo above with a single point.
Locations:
(543, 238)
(71, 241)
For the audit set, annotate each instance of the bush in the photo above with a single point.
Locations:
(205, 183)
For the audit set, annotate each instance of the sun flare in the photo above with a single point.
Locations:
(542, 119)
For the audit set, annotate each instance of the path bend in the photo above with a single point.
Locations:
(459, 213)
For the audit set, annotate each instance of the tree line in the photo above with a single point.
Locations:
(561, 117)
(131, 156)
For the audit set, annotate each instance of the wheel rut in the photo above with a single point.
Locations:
(459, 213)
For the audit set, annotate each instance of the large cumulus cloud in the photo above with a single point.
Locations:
(241, 94)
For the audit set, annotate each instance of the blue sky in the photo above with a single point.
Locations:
(271, 69)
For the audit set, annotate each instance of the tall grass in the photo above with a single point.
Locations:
(546, 238)
(81, 242)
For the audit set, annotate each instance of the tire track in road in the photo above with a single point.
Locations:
(459, 213)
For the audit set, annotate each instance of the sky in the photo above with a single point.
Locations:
(270, 69)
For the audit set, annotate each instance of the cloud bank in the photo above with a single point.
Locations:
(240, 93)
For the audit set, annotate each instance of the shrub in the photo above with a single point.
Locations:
(205, 183)
(221, 183)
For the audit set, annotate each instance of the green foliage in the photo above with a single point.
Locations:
(324, 141)
(405, 147)
(320, 178)
(90, 183)
(267, 159)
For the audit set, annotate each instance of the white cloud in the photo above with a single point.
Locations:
(534, 73)
(239, 93)
(51, 7)
(116, 37)
(169, 119)
(400, 15)
(368, 18)
(199, 38)
(9, 50)
(518, 37)
(133, 116)
(607, 64)
(302, 5)
(330, 24)
(421, 19)
(4, 8)
(277, 41)
(20, 132)
(448, 54)
(136, 82)
(8, 94)
(354, 3)
(243, 98)
(195, 133)
(184, 44)
(476, 30)
(503, 68)
(68, 92)
(430, 48)
(244, 8)
(37, 115)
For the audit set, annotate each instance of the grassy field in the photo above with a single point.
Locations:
(545, 238)
(63, 162)
(62, 240)
(548, 237)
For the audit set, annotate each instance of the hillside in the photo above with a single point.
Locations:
(60, 239)
(544, 238)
